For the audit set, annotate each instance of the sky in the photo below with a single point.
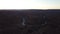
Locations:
(29, 4)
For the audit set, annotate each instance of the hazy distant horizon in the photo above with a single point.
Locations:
(29, 4)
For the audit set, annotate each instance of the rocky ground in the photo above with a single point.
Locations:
(35, 22)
